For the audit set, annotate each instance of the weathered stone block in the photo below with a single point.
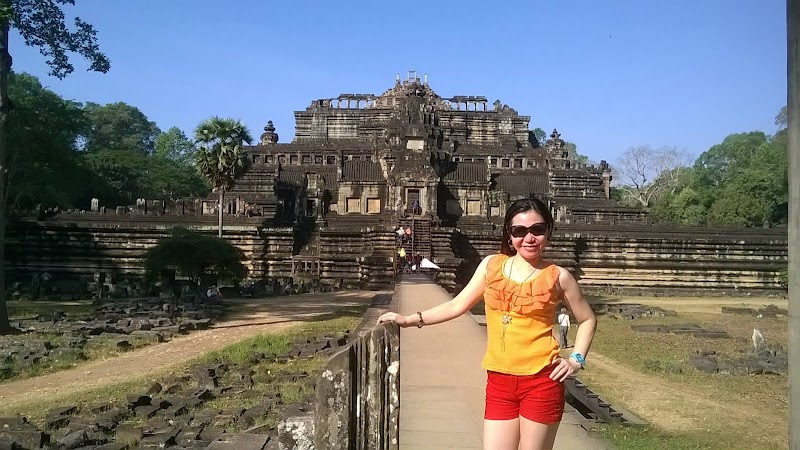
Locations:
(239, 442)
(297, 432)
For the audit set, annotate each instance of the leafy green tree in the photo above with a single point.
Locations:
(119, 126)
(687, 207)
(743, 181)
(118, 175)
(220, 158)
(196, 256)
(538, 137)
(575, 158)
(173, 144)
(43, 128)
(167, 179)
(41, 24)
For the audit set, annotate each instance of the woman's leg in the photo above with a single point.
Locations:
(501, 434)
(535, 435)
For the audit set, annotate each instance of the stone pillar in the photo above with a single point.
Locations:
(95, 205)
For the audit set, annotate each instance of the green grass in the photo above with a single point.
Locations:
(727, 403)
(290, 391)
(18, 309)
(116, 393)
(651, 438)
(616, 339)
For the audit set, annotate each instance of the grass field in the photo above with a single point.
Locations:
(689, 410)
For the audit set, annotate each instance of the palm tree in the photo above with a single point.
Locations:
(220, 158)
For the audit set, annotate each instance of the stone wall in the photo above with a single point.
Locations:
(77, 247)
(74, 248)
(650, 259)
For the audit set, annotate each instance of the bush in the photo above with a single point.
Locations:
(196, 256)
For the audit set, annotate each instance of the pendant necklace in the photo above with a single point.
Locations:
(506, 317)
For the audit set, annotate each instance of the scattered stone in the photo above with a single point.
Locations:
(240, 442)
(706, 364)
(687, 328)
(631, 311)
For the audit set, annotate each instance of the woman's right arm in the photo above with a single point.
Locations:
(461, 303)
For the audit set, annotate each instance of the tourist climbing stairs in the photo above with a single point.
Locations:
(421, 235)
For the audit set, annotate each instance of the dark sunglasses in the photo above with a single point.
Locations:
(520, 231)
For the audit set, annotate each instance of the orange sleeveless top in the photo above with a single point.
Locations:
(519, 320)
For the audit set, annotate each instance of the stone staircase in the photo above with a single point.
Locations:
(421, 239)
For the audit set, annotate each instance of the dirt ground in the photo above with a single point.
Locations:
(249, 317)
(693, 402)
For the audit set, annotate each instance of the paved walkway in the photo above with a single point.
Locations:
(442, 384)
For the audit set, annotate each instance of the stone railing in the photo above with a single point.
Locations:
(357, 394)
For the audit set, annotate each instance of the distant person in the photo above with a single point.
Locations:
(563, 328)
(401, 258)
(415, 209)
(214, 294)
(521, 290)
(400, 233)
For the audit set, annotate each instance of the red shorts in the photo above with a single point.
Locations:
(534, 397)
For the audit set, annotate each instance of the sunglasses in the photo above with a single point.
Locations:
(520, 231)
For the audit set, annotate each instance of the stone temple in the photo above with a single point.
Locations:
(324, 208)
(460, 159)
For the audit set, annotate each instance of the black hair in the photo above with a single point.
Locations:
(521, 206)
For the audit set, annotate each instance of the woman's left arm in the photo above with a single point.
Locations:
(587, 323)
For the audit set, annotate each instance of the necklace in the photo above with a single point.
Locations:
(506, 317)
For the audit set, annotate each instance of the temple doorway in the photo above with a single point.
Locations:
(413, 204)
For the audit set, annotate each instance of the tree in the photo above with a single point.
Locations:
(173, 144)
(782, 119)
(41, 24)
(196, 256)
(743, 181)
(169, 180)
(642, 173)
(576, 158)
(537, 137)
(42, 131)
(119, 126)
(220, 157)
(117, 175)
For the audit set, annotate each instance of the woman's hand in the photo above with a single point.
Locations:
(396, 318)
(564, 368)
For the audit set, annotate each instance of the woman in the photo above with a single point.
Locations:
(525, 374)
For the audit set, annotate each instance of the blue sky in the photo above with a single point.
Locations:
(608, 74)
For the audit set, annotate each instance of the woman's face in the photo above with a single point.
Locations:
(528, 233)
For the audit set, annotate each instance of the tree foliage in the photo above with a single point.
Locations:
(119, 126)
(43, 128)
(196, 256)
(220, 158)
(41, 24)
(743, 181)
(174, 145)
(537, 137)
